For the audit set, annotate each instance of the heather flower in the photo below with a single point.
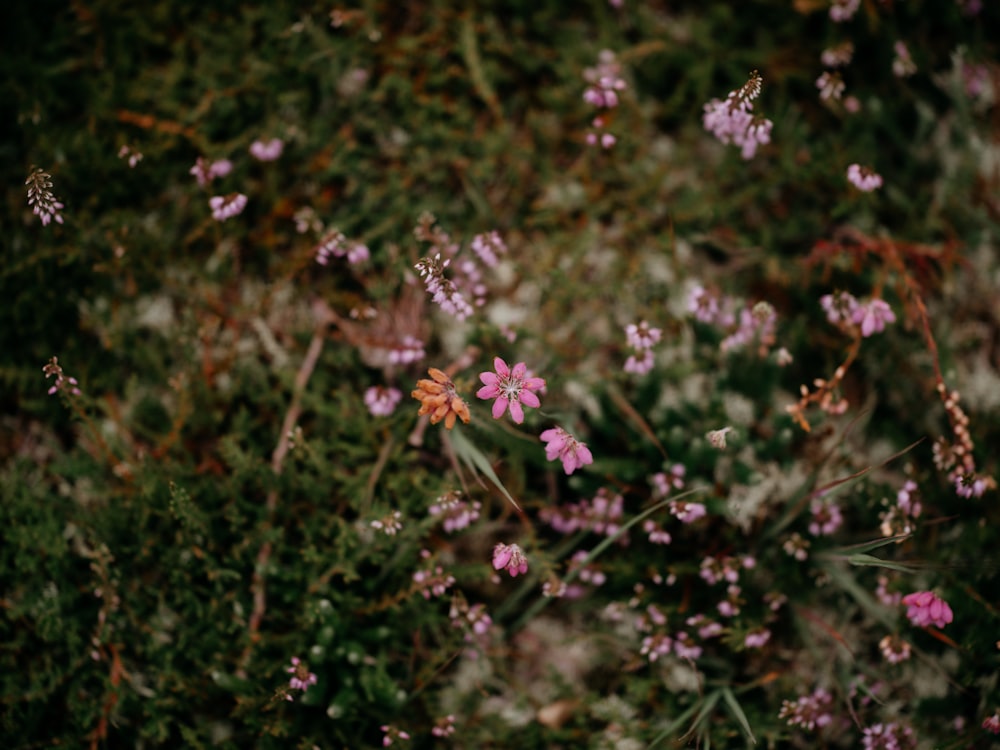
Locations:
(204, 171)
(433, 581)
(457, 512)
(335, 244)
(656, 645)
(894, 649)
(704, 306)
(227, 206)
(686, 512)
(836, 57)
(590, 573)
(732, 120)
(663, 483)
(863, 178)
(392, 734)
(969, 485)
(488, 247)
(43, 203)
(382, 402)
(796, 546)
(757, 638)
(655, 532)
(890, 736)
(843, 10)
(474, 621)
(830, 85)
(511, 557)
(903, 65)
(439, 398)
(409, 349)
(560, 444)
(717, 438)
(924, 608)
(62, 381)
(443, 291)
(755, 324)
(605, 81)
(444, 727)
(907, 501)
(641, 335)
(133, 156)
(992, 723)
(685, 647)
(873, 316)
(267, 150)
(826, 518)
(302, 678)
(510, 387)
(840, 307)
(389, 524)
(808, 711)
(882, 593)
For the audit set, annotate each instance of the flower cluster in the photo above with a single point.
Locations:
(301, 678)
(43, 203)
(826, 518)
(133, 156)
(439, 398)
(641, 337)
(391, 734)
(432, 581)
(267, 150)
(382, 401)
(511, 557)
(605, 83)
(924, 608)
(863, 178)
(389, 524)
(227, 206)
(894, 649)
(62, 381)
(844, 311)
(457, 512)
(830, 85)
(602, 514)
(733, 121)
(902, 64)
(808, 711)
(205, 171)
(753, 324)
(335, 244)
(844, 10)
(563, 446)
(891, 736)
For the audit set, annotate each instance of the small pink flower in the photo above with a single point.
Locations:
(302, 678)
(267, 150)
(205, 171)
(873, 316)
(510, 387)
(843, 10)
(560, 444)
(925, 608)
(382, 402)
(511, 557)
(826, 518)
(992, 723)
(757, 638)
(863, 178)
(227, 206)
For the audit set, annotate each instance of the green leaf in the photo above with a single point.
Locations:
(475, 459)
(877, 562)
(737, 711)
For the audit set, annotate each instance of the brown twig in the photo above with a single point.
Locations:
(258, 585)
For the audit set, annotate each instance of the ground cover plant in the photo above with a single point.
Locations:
(500, 375)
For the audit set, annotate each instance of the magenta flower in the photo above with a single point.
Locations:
(560, 444)
(381, 401)
(510, 387)
(863, 178)
(873, 317)
(511, 557)
(925, 608)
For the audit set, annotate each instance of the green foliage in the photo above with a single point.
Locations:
(219, 498)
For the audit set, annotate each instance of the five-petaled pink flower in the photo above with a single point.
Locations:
(560, 444)
(510, 387)
(511, 557)
(925, 608)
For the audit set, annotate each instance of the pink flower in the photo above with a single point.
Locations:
(757, 638)
(560, 444)
(302, 678)
(733, 121)
(873, 317)
(382, 402)
(204, 171)
(863, 178)
(510, 387)
(992, 723)
(511, 557)
(267, 150)
(925, 608)
(826, 518)
(843, 10)
(227, 206)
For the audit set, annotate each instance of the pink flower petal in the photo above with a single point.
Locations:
(500, 406)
